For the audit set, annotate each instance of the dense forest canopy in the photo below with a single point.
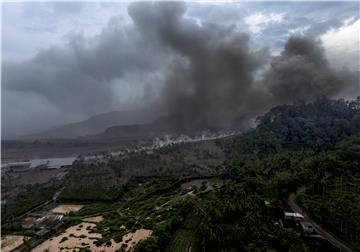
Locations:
(317, 126)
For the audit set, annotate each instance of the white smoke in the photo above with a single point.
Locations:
(165, 141)
(169, 140)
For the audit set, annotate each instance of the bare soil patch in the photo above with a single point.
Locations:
(94, 219)
(64, 209)
(80, 236)
(10, 242)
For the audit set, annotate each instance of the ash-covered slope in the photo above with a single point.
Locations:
(102, 178)
(168, 125)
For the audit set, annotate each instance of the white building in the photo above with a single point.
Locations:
(293, 216)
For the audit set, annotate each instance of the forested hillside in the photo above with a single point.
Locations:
(316, 126)
(211, 195)
(315, 145)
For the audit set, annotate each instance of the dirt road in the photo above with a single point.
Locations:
(324, 233)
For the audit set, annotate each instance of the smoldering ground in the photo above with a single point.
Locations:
(201, 75)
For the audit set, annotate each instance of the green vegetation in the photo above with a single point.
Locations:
(334, 198)
(88, 193)
(33, 196)
(150, 203)
(316, 126)
(185, 238)
(90, 182)
(315, 146)
(64, 239)
(236, 219)
(312, 145)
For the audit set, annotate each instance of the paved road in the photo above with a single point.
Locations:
(331, 238)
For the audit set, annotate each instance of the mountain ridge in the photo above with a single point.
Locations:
(96, 124)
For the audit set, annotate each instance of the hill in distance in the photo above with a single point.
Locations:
(96, 124)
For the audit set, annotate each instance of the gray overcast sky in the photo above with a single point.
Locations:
(49, 50)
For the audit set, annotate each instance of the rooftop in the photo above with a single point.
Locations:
(293, 215)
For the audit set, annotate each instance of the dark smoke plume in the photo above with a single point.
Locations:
(211, 85)
(302, 73)
(206, 76)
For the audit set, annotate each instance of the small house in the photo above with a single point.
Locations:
(28, 223)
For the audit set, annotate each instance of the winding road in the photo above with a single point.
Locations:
(324, 233)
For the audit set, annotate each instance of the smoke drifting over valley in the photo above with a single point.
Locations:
(303, 73)
(201, 75)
